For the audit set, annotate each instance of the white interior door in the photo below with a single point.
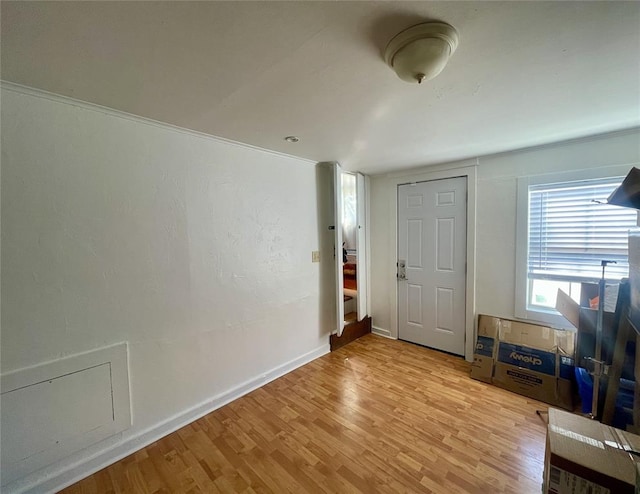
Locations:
(432, 246)
(337, 221)
(361, 250)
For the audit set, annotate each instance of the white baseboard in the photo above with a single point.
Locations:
(57, 477)
(382, 332)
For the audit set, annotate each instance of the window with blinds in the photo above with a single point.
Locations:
(571, 231)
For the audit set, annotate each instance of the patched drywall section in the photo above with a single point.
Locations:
(497, 177)
(195, 251)
(58, 408)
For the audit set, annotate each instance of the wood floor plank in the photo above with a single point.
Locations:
(377, 415)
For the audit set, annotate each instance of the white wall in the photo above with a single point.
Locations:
(496, 215)
(194, 250)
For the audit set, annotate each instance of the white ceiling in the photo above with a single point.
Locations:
(525, 73)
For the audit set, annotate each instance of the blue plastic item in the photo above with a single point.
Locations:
(624, 400)
(585, 388)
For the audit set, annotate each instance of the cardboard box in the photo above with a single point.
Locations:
(583, 455)
(542, 387)
(531, 360)
(583, 318)
(536, 336)
(484, 353)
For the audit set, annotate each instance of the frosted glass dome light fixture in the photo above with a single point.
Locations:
(420, 52)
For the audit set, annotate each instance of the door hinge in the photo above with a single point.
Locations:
(401, 270)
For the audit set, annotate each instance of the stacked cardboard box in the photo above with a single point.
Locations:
(583, 455)
(531, 360)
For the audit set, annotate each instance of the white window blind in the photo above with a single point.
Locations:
(569, 233)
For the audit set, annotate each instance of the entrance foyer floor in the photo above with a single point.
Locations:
(378, 415)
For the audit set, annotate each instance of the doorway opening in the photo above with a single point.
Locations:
(350, 235)
(350, 247)
(351, 252)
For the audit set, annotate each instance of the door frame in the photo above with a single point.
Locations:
(430, 189)
(362, 244)
(363, 197)
(337, 251)
(468, 170)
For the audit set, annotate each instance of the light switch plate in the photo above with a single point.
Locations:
(315, 256)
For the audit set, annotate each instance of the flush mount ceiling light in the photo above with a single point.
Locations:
(420, 52)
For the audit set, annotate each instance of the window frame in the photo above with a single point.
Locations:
(522, 311)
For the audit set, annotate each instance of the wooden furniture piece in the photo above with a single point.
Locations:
(625, 333)
(349, 274)
(628, 330)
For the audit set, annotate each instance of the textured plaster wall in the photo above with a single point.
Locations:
(194, 250)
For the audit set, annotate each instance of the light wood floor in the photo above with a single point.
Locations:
(377, 415)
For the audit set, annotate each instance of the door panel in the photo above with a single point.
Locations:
(415, 304)
(414, 250)
(414, 201)
(445, 243)
(444, 309)
(432, 240)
